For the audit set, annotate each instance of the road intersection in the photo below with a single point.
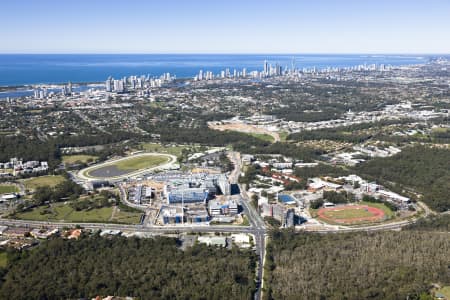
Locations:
(256, 228)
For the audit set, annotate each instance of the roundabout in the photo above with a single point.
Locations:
(125, 167)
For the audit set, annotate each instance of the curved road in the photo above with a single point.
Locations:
(257, 226)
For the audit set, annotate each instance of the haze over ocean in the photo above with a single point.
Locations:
(24, 69)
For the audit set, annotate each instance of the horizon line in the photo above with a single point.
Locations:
(223, 53)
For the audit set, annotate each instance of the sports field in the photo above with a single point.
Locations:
(141, 162)
(126, 166)
(347, 214)
(351, 214)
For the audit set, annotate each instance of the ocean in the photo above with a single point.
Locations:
(27, 69)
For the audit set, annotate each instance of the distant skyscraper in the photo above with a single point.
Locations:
(69, 88)
(119, 86)
(108, 85)
(278, 70)
(266, 68)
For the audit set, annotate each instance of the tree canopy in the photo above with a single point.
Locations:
(144, 268)
(382, 265)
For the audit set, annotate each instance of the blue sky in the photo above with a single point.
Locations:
(225, 26)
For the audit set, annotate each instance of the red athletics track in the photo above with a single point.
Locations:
(377, 214)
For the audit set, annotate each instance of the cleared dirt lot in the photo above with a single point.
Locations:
(245, 128)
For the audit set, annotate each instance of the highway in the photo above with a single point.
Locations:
(256, 229)
(256, 226)
(137, 228)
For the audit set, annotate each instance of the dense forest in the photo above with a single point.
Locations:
(101, 138)
(31, 148)
(203, 135)
(28, 149)
(62, 191)
(382, 265)
(432, 223)
(421, 168)
(143, 268)
(240, 141)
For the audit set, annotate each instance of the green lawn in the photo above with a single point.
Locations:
(353, 213)
(82, 158)
(8, 188)
(245, 221)
(141, 162)
(94, 215)
(387, 211)
(49, 180)
(347, 213)
(132, 164)
(127, 217)
(262, 136)
(3, 259)
(64, 213)
(283, 135)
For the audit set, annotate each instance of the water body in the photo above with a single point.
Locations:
(27, 69)
(108, 172)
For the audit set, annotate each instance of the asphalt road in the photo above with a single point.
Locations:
(256, 228)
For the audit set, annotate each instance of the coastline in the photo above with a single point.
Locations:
(46, 69)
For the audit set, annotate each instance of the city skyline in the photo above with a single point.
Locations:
(406, 27)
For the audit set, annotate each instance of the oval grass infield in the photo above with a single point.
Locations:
(351, 214)
(127, 165)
